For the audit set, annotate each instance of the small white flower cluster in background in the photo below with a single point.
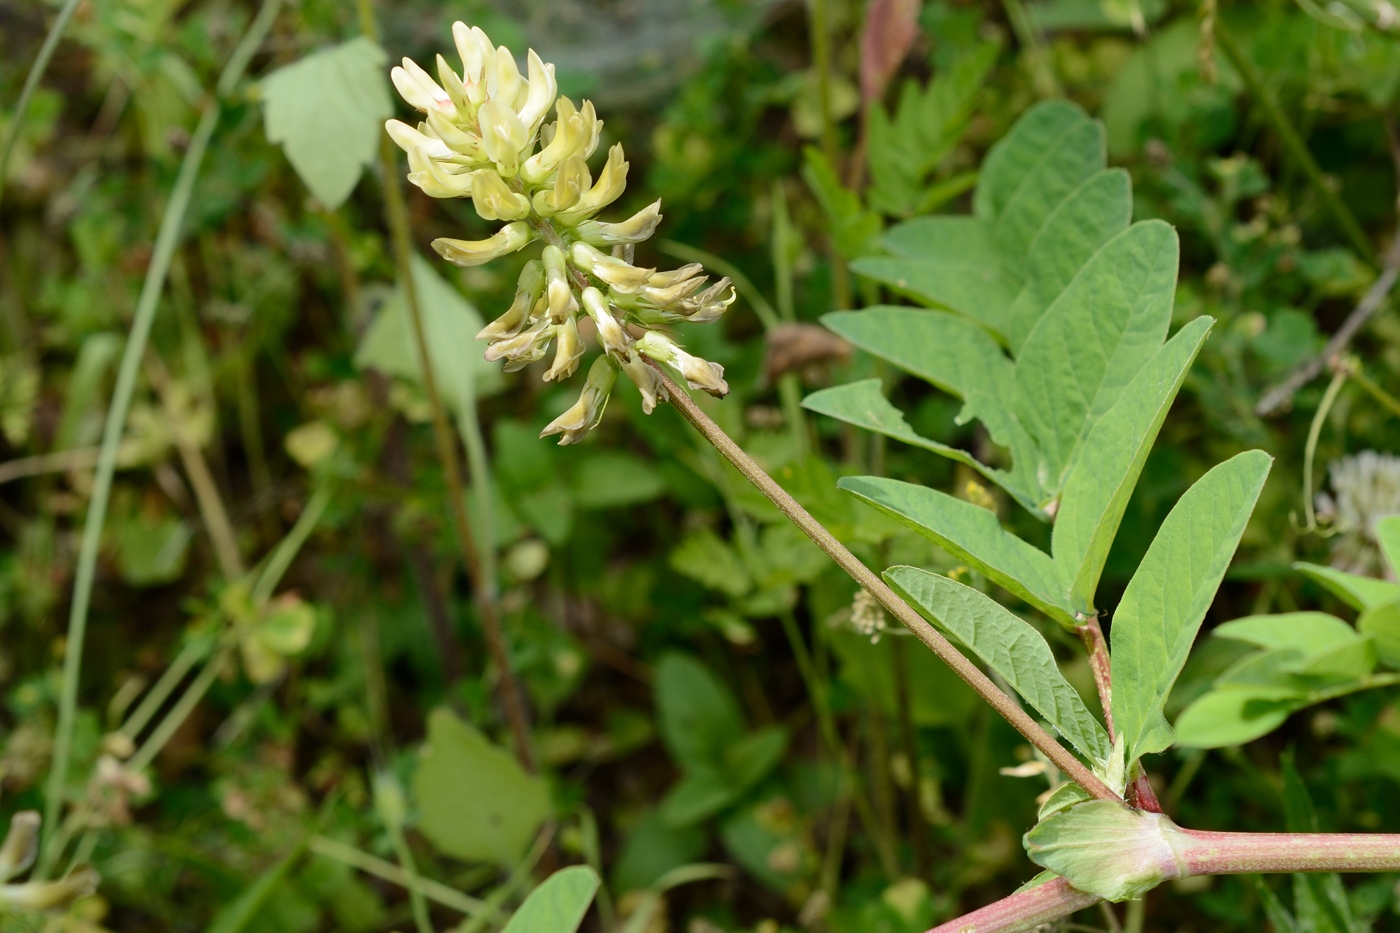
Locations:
(1366, 488)
(867, 617)
(485, 137)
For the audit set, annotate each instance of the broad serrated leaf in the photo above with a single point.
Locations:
(474, 801)
(953, 354)
(863, 405)
(1097, 488)
(973, 535)
(1092, 342)
(1016, 153)
(1090, 216)
(696, 712)
(945, 262)
(327, 111)
(558, 905)
(1010, 646)
(1305, 632)
(1167, 598)
(1356, 591)
(450, 324)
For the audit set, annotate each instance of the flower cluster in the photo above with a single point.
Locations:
(485, 137)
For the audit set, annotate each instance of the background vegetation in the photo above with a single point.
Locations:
(665, 626)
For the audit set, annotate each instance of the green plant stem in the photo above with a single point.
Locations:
(1005, 706)
(473, 547)
(31, 84)
(180, 711)
(1310, 449)
(415, 885)
(1033, 48)
(1387, 401)
(287, 549)
(388, 871)
(167, 240)
(1024, 910)
(190, 655)
(1293, 142)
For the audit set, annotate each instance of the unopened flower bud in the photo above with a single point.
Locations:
(494, 200)
(587, 412)
(568, 350)
(527, 290)
(647, 380)
(21, 844)
(621, 275)
(610, 333)
(635, 229)
(562, 303)
(502, 135)
(666, 279)
(524, 348)
(698, 373)
(49, 895)
(508, 239)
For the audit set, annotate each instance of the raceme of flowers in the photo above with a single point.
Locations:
(485, 137)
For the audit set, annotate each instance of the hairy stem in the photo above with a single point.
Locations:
(1091, 633)
(1210, 853)
(872, 584)
(167, 239)
(1024, 910)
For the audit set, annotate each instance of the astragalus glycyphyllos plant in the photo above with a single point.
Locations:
(1049, 268)
(485, 137)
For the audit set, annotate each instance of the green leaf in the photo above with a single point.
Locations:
(327, 112)
(1097, 489)
(653, 848)
(236, 917)
(698, 715)
(708, 559)
(450, 324)
(612, 478)
(1346, 663)
(1305, 632)
(1091, 343)
(699, 795)
(1008, 645)
(1063, 166)
(1092, 214)
(953, 354)
(1382, 623)
(973, 535)
(1229, 716)
(474, 801)
(753, 758)
(1014, 156)
(853, 229)
(1356, 591)
(862, 404)
(1063, 797)
(1388, 534)
(946, 262)
(557, 905)
(1168, 596)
